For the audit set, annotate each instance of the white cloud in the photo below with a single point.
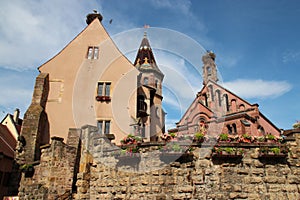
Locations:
(179, 5)
(170, 123)
(33, 31)
(228, 60)
(258, 88)
(291, 56)
(16, 90)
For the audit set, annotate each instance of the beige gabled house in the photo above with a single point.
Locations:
(91, 82)
(13, 123)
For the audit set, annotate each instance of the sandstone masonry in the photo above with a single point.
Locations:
(88, 168)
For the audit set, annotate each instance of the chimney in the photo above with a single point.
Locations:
(16, 115)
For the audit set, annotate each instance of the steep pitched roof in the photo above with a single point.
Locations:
(226, 90)
(145, 60)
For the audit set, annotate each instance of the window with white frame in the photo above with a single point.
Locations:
(103, 88)
(93, 53)
(103, 126)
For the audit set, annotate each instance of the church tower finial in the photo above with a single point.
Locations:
(209, 68)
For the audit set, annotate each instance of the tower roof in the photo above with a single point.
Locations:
(145, 61)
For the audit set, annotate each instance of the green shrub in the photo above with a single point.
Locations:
(173, 135)
(246, 136)
(296, 125)
(176, 147)
(275, 150)
(199, 136)
(270, 137)
(223, 137)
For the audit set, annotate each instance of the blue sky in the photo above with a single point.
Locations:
(256, 42)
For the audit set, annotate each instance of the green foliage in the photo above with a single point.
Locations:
(223, 137)
(264, 150)
(173, 135)
(176, 147)
(199, 136)
(275, 150)
(229, 150)
(296, 125)
(26, 167)
(261, 139)
(246, 136)
(270, 137)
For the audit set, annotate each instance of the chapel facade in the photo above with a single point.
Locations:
(218, 110)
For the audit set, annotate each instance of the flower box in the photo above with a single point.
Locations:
(227, 155)
(130, 159)
(272, 155)
(103, 98)
(168, 157)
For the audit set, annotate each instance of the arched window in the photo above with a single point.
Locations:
(219, 97)
(205, 97)
(211, 92)
(208, 69)
(229, 129)
(141, 105)
(225, 96)
(241, 107)
(146, 80)
(234, 128)
(156, 83)
(261, 130)
(233, 105)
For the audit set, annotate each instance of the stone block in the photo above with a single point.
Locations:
(197, 180)
(203, 163)
(274, 179)
(271, 171)
(258, 171)
(237, 188)
(258, 164)
(277, 195)
(274, 188)
(252, 179)
(290, 188)
(226, 187)
(253, 196)
(292, 179)
(242, 171)
(237, 195)
(185, 189)
(293, 196)
(155, 189)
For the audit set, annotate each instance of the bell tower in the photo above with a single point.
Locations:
(209, 69)
(150, 114)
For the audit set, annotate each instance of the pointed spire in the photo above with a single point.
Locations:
(145, 60)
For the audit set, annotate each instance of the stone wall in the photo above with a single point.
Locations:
(99, 172)
(35, 127)
(202, 177)
(54, 176)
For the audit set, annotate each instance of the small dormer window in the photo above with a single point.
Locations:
(93, 53)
